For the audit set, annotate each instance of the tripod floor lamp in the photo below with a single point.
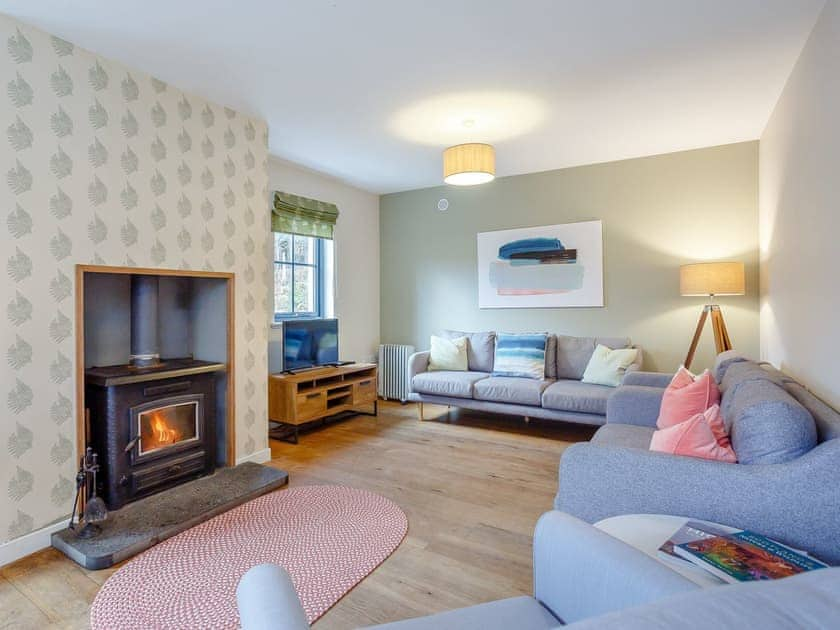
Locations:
(711, 280)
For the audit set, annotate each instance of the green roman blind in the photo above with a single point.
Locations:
(293, 214)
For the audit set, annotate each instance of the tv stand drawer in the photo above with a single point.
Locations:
(364, 391)
(310, 405)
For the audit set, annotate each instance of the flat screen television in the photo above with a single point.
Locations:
(309, 342)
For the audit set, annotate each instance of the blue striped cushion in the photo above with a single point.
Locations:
(520, 355)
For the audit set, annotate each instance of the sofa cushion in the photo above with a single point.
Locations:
(826, 418)
(520, 354)
(551, 356)
(701, 436)
(455, 384)
(723, 361)
(741, 371)
(686, 396)
(766, 424)
(807, 600)
(613, 342)
(607, 367)
(448, 354)
(480, 348)
(502, 614)
(511, 389)
(625, 435)
(572, 395)
(573, 353)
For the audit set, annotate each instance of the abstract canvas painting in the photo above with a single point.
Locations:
(552, 266)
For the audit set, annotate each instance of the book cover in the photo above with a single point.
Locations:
(745, 556)
(691, 531)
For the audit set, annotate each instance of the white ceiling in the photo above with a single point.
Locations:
(371, 91)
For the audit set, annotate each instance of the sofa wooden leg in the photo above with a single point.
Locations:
(527, 419)
(420, 411)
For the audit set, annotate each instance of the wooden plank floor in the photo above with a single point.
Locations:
(472, 485)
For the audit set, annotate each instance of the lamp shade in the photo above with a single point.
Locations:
(716, 278)
(469, 164)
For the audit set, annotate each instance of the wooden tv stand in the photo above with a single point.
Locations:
(316, 394)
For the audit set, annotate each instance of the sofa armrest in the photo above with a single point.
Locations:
(647, 379)
(417, 364)
(634, 404)
(805, 600)
(794, 502)
(267, 600)
(580, 571)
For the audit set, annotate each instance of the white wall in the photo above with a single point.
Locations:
(356, 253)
(800, 217)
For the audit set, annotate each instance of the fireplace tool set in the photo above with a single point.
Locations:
(95, 510)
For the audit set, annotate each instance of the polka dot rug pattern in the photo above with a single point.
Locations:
(327, 537)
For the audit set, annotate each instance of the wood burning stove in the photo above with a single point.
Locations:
(153, 427)
(152, 421)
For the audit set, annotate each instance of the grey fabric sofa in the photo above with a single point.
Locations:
(786, 484)
(587, 579)
(560, 396)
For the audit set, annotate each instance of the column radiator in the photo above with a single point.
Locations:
(393, 371)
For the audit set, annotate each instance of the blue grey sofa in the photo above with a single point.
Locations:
(587, 579)
(786, 484)
(560, 396)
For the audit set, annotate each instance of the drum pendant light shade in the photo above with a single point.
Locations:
(469, 164)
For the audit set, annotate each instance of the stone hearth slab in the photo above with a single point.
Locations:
(146, 522)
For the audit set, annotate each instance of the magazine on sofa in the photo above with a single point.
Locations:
(691, 531)
(745, 556)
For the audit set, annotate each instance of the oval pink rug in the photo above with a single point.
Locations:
(327, 537)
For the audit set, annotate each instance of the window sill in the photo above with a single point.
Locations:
(277, 323)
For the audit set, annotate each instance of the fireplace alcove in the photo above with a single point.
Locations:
(154, 376)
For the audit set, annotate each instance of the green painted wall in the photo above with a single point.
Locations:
(658, 212)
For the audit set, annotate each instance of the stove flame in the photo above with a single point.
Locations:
(161, 433)
(165, 435)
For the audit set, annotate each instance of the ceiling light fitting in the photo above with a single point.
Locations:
(469, 164)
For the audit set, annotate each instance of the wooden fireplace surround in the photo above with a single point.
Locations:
(81, 419)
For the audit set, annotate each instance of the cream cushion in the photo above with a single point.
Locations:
(448, 354)
(607, 367)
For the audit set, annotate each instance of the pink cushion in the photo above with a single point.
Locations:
(715, 420)
(695, 437)
(686, 396)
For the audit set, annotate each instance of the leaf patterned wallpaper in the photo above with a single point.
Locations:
(106, 165)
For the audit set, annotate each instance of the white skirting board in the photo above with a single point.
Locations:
(29, 543)
(40, 539)
(259, 457)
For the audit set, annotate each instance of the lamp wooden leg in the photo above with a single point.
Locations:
(697, 332)
(722, 341)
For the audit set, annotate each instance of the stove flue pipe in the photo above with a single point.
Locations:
(144, 321)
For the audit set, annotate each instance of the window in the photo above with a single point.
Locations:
(302, 276)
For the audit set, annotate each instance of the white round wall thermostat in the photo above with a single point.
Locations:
(443, 204)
